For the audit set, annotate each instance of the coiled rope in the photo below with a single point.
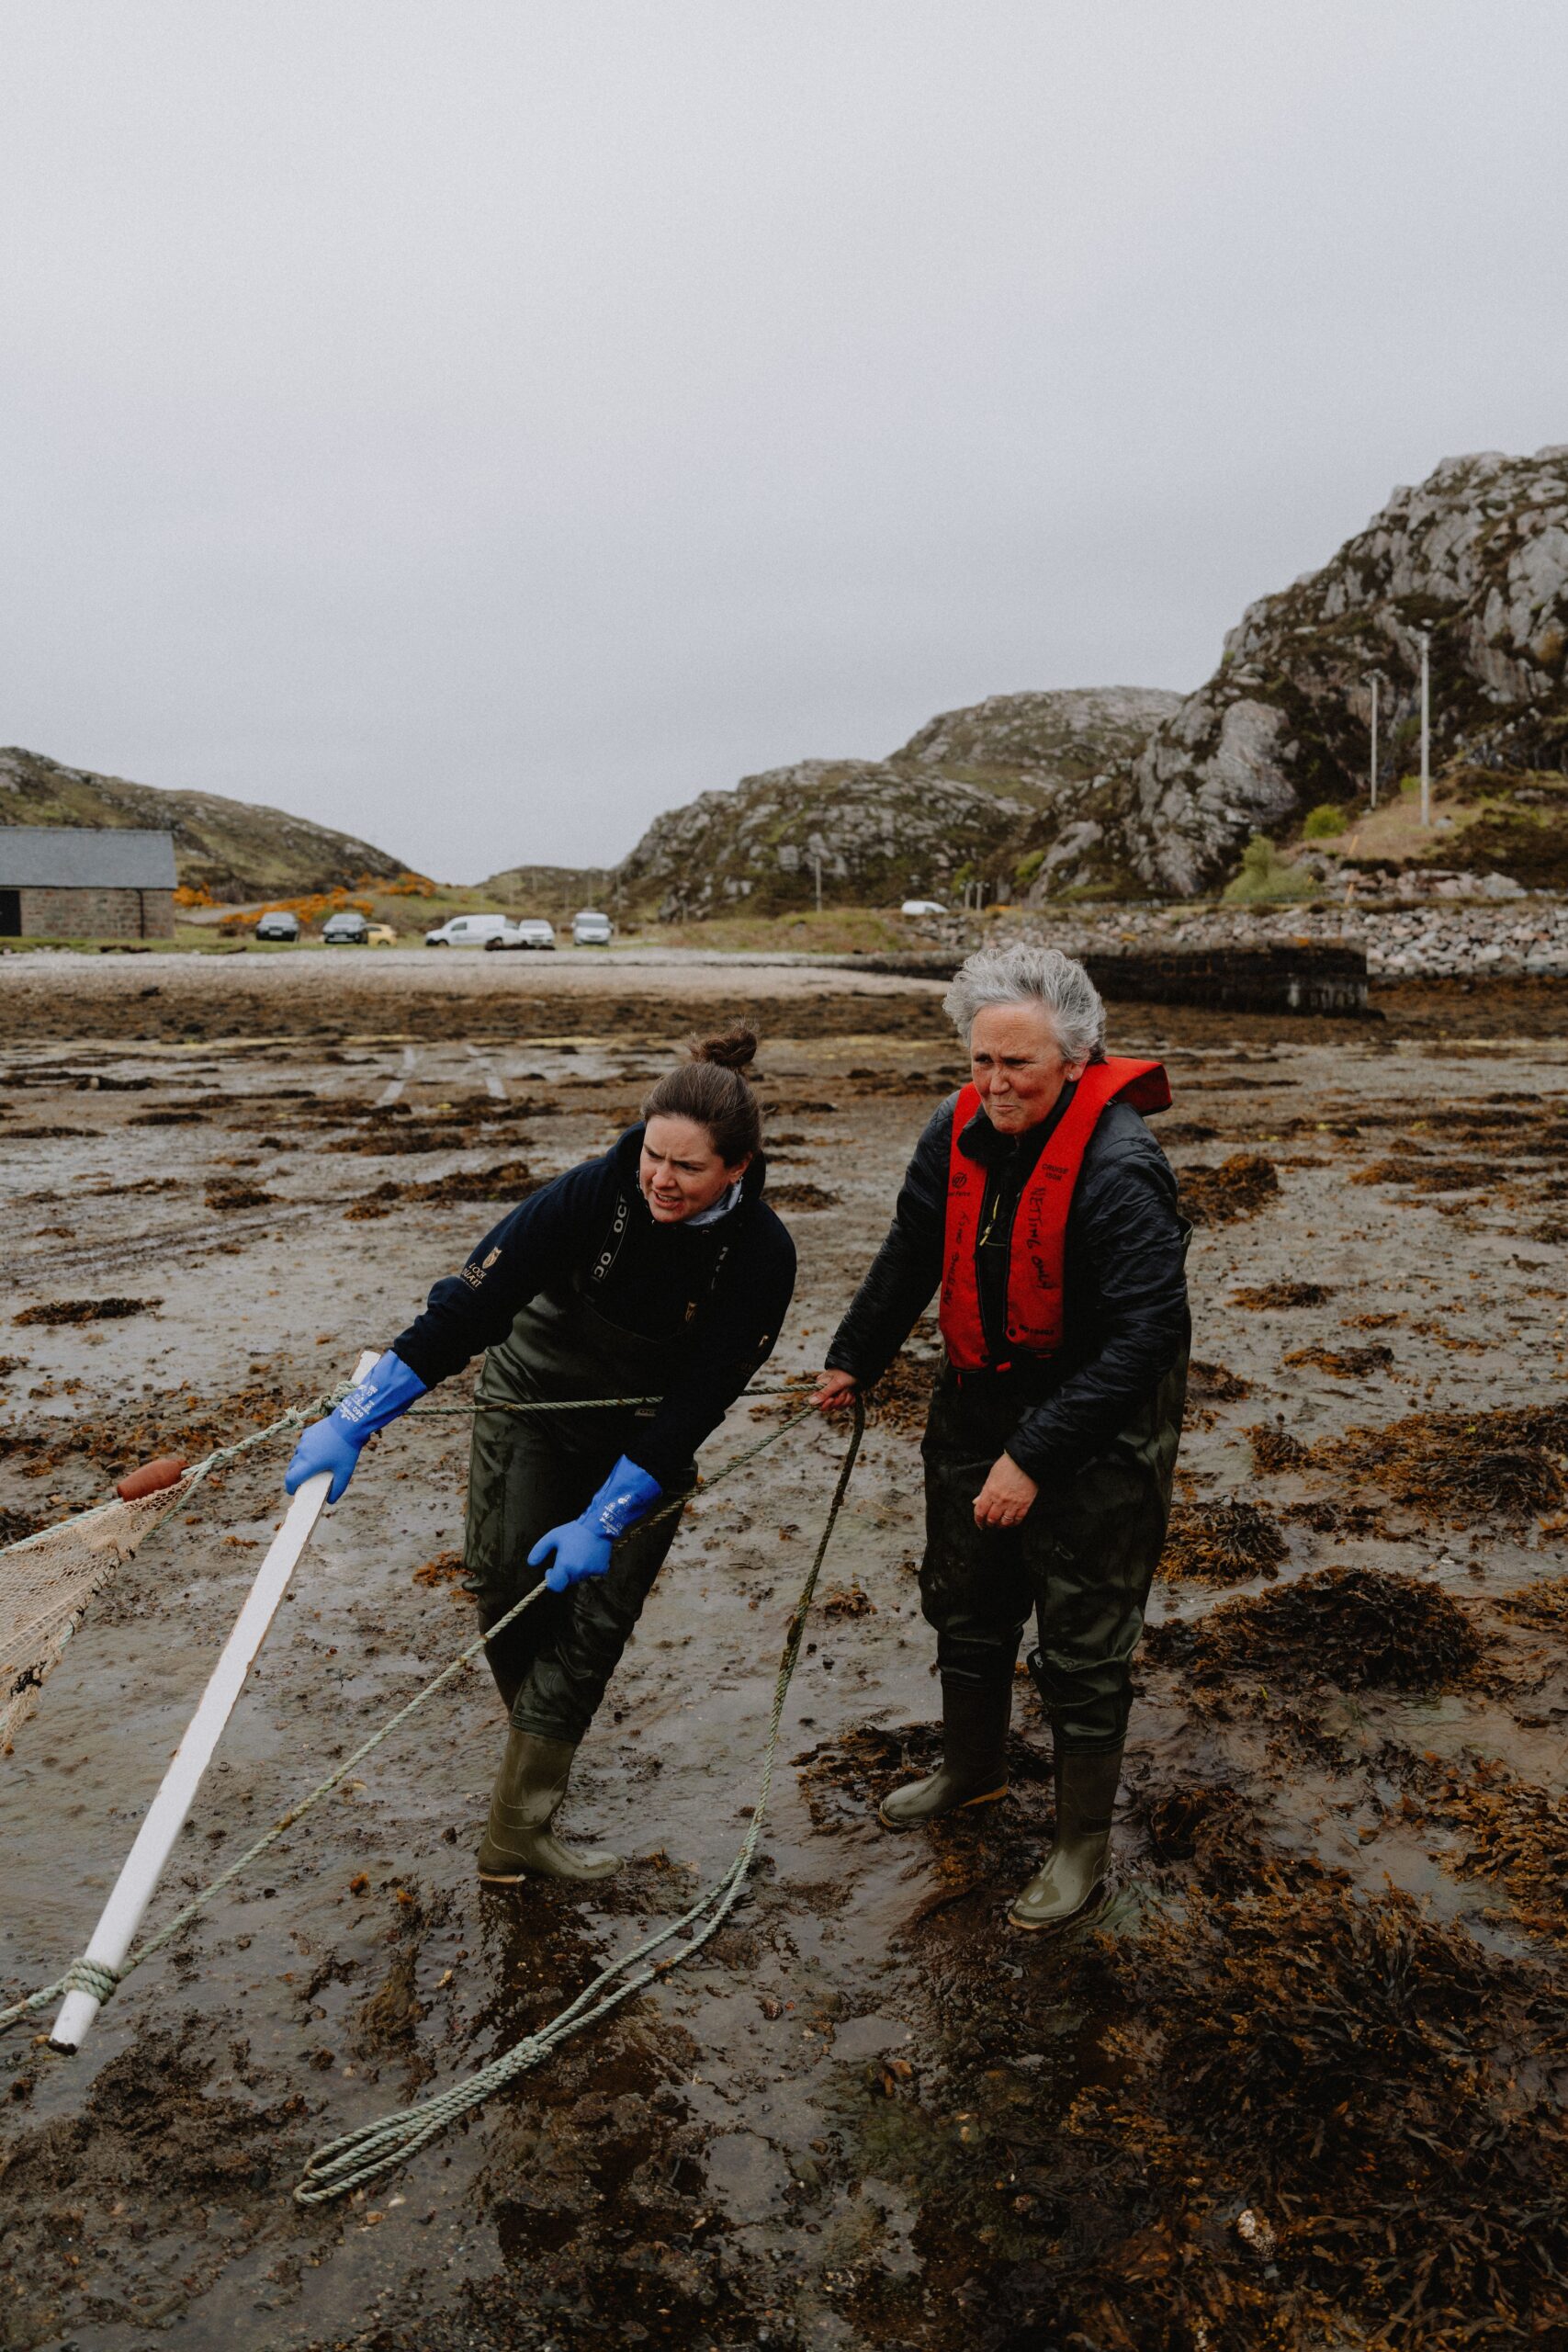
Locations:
(89, 1976)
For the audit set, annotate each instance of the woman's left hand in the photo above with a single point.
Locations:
(574, 1551)
(1007, 1497)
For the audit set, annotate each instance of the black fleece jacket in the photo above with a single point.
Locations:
(1124, 1318)
(716, 1294)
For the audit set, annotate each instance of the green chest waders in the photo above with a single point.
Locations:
(528, 1473)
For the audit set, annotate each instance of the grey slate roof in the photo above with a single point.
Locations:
(86, 857)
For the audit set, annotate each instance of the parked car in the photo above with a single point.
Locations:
(532, 932)
(468, 931)
(278, 923)
(923, 907)
(591, 928)
(345, 931)
(381, 934)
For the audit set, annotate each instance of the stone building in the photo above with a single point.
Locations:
(85, 882)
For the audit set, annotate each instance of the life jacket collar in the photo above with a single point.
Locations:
(1037, 1247)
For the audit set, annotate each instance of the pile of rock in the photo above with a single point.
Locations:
(1445, 941)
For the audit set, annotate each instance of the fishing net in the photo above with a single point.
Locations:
(47, 1582)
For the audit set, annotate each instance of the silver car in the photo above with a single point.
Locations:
(532, 932)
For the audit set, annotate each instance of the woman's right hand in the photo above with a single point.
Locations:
(833, 1389)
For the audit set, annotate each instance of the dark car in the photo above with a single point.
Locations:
(345, 931)
(278, 923)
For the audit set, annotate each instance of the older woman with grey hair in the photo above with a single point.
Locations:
(1042, 1209)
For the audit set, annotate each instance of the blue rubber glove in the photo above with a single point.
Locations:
(388, 1389)
(582, 1547)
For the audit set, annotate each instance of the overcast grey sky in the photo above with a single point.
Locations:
(482, 427)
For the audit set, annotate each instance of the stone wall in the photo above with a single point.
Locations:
(96, 915)
(1238, 979)
(1301, 978)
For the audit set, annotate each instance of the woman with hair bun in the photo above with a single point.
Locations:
(657, 1269)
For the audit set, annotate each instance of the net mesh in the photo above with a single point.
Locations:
(48, 1580)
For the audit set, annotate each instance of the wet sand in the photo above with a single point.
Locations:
(867, 2116)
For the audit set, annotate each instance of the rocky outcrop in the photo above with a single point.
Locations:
(1478, 558)
(998, 790)
(230, 848)
(1118, 791)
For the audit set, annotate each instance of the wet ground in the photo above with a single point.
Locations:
(1302, 2083)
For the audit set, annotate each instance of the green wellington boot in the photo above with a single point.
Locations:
(974, 1757)
(528, 1790)
(1071, 1876)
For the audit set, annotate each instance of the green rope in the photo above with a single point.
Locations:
(186, 1485)
(143, 1951)
(560, 1404)
(345, 2164)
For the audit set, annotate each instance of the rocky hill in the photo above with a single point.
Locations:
(1008, 787)
(1478, 556)
(230, 848)
(1120, 791)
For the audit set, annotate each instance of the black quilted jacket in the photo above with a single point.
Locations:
(1124, 1290)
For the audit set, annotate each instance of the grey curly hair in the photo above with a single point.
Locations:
(1026, 975)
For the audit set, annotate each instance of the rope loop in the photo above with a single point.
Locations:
(93, 1976)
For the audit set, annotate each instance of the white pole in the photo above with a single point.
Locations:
(1374, 761)
(1425, 730)
(165, 1819)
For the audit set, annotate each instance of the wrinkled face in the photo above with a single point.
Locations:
(1017, 1065)
(680, 1172)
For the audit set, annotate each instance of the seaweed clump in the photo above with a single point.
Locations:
(508, 1180)
(901, 1398)
(1359, 1628)
(1274, 1448)
(1359, 2077)
(801, 1197)
(1213, 1384)
(1462, 1466)
(1265, 1296)
(1221, 1542)
(87, 1310)
(1345, 1363)
(1238, 1187)
(1426, 1175)
(1508, 1830)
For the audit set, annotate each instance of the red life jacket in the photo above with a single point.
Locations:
(1040, 1227)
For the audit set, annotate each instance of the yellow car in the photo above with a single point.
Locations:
(381, 934)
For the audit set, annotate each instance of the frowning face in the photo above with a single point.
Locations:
(1017, 1066)
(680, 1172)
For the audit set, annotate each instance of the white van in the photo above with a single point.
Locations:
(591, 928)
(471, 931)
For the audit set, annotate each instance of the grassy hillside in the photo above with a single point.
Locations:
(231, 849)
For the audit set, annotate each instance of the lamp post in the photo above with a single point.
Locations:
(1425, 728)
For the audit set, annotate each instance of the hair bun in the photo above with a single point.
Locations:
(733, 1050)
